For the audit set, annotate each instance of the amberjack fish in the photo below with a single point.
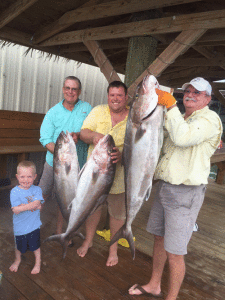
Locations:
(142, 145)
(65, 171)
(95, 181)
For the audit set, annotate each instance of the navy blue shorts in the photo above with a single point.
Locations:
(30, 241)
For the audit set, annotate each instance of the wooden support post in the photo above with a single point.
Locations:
(217, 93)
(141, 53)
(141, 49)
(221, 172)
(181, 44)
(22, 156)
(3, 166)
(102, 61)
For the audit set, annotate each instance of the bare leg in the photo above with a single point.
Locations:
(159, 259)
(115, 225)
(37, 266)
(91, 225)
(177, 272)
(59, 222)
(14, 267)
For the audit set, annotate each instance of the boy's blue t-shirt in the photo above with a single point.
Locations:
(26, 221)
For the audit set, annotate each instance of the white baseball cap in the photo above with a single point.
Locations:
(199, 84)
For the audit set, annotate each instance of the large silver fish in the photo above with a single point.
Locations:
(95, 181)
(143, 141)
(66, 169)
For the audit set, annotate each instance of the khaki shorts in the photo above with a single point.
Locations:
(174, 213)
(116, 206)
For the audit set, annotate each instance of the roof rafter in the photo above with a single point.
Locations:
(102, 61)
(184, 73)
(195, 62)
(103, 44)
(113, 8)
(210, 55)
(205, 20)
(14, 10)
(220, 85)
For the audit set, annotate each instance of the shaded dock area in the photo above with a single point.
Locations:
(89, 278)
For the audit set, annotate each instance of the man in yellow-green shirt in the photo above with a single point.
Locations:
(182, 172)
(108, 119)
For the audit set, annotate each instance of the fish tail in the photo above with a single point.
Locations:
(65, 247)
(81, 235)
(72, 235)
(66, 242)
(60, 238)
(56, 237)
(123, 232)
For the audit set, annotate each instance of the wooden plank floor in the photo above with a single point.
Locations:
(89, 278)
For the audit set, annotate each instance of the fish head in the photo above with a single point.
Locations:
(64, 147)
(145, 100)
(102, 152)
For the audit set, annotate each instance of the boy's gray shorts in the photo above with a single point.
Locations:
(173, 214)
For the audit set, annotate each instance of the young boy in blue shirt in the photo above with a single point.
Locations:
(26, 200)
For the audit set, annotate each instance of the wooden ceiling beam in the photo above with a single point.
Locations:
(175, 82)
(15, 36)
(180, 45)
(205, 20)
(24, 39)
(211, 54)
(213, 36)
(14, 10)
(103, 44)
(198, 62)
(178, 82)
(109, 9)
(219, 85)
(102, 61)
(210, 44)
(184, 73)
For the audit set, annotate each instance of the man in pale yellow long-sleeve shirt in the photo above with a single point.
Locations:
(182, 172)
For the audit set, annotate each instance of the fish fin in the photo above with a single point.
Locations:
(67, 168)
(148, 192)
(95, 175)
(70, 205)
(82, 170)
(123, 158)
(65, 247)
(56, 237)
(140, 132)
(100, 201)
(123, 232)
(77, 234)
(64, 241)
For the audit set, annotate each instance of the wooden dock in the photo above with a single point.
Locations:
(89, 278)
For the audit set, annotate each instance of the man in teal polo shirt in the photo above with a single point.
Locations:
(68, 114)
